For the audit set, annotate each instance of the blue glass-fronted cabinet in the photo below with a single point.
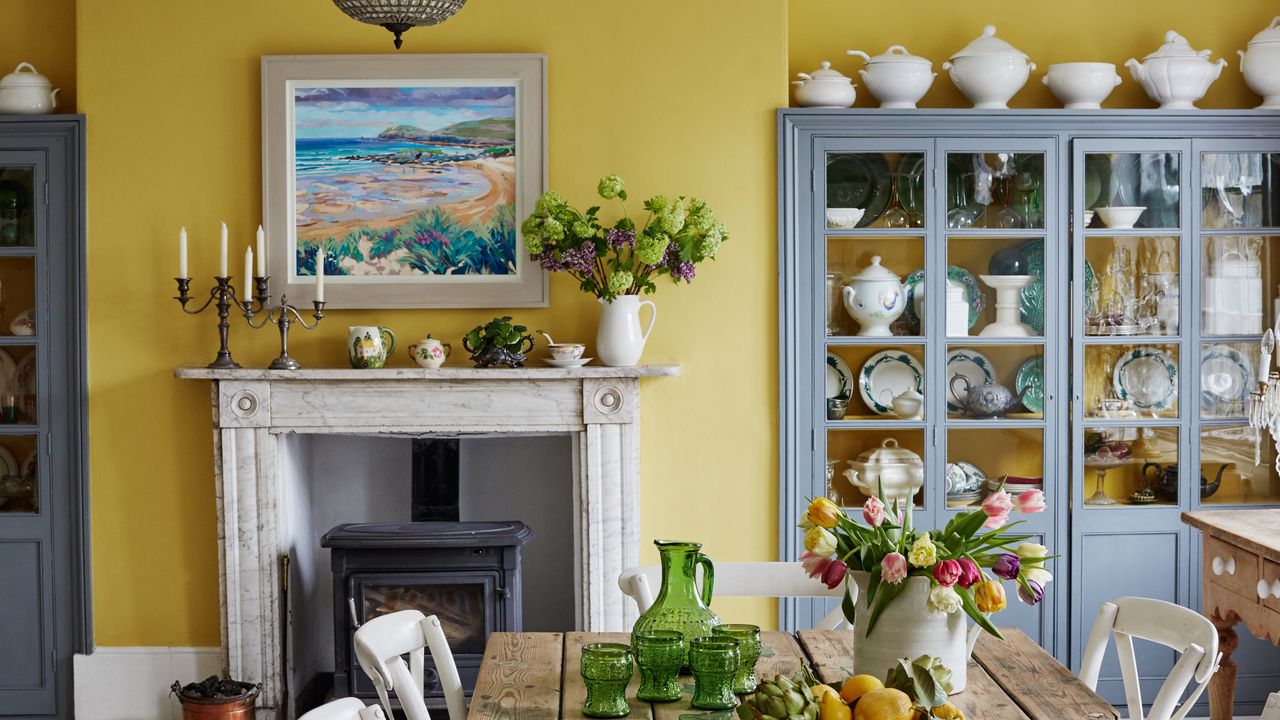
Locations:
(1115, 280)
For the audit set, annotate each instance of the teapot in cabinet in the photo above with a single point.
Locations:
(1165, 481)
(875, 298)
(987, 400)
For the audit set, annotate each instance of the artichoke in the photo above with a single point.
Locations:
(781, 698)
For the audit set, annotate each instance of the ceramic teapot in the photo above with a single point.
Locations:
(985, 400)
(1165, 481)
(1175, 75)
(429, 353)
(1260, 65)
(875, 298)
(824, 88)
(27, 93)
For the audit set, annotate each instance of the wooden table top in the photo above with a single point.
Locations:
(534, 676)
(1257, 531)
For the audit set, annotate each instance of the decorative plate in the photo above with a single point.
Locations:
(859, 180)
(964, 478)
(24, 385)
(911, 185)
(1031, 298)
(8, 370)
(1090, 290)
(1225, 376)
(839, 377)
(974, 366)
(8, 463)
(958, 275)
(889, 370)
(1092, 179)
(24, 323)
(1148, 378)
(1030, 377)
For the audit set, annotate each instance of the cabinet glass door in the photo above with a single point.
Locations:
(1238, 265)
(871, 274)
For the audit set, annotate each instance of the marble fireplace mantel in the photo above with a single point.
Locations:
(598, 406)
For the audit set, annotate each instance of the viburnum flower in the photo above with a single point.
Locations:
(997, 507)
(619, 281)
(1031, 594)
(943, 599)
(820, 541)
(611, 187)
(946, 572)
(969, 573)
(989, 595)
(893, 568)
(823, 513)
(923, 552)
(1006, 566)
(1031, 501)
(873, 511)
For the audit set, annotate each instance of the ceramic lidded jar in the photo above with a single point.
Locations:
(824, 88)
(898, 470)
(1175, 75)
(875, 298)
(896, 78)
(27, 93)
(989, 71)
(1260, 65)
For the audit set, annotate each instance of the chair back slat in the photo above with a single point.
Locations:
(382, 643)
(347, 708)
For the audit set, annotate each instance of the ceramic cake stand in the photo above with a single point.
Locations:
(1008, 306)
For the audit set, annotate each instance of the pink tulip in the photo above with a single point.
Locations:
(834, 574)
(814, 565)
(1031, 501)
(969, 573)
(997, 507)
(893, 569)
(947, 572)
(873, 511)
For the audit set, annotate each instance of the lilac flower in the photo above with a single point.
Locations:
(621, 238)
(1006, 566)
(684, 271)
(547, 259)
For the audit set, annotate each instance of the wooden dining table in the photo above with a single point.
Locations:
(535, 676)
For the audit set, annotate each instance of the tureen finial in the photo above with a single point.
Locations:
(989, 30)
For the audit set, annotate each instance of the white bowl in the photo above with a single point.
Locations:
(1120, 217)
(844, 218)
(989, 81)
(898, 85)
(1082, 85)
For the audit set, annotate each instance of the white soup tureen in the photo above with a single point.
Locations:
(896, 78)
(875, 298)
(27, 93)
(1175, 75)
(824, 88)
(989, 71)
(1260, 65)
(898, 470)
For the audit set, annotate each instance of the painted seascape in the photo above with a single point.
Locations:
(414, 183)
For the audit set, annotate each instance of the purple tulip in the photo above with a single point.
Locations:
(1032, 593)
(1006, 566)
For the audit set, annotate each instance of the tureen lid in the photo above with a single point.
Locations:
(18, 78)
(825, 73)
(895, 54)
(875, 271)
(988, 44)
(1176, 46)
(889, 453)
(1270, 34)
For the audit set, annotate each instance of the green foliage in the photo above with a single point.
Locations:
(925, 680)
(498, 332)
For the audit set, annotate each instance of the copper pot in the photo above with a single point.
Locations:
(218, 709)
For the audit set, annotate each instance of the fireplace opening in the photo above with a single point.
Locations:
(334, 480)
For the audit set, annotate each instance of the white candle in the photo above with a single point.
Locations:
(248, 268)
(320, 274)
(182, 253)
(222, 254)
(262, 253)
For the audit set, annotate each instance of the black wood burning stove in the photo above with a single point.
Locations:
(465, 573)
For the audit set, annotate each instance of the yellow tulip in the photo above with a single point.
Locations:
(820, 541)
(923, 552)
(990, 596)
(823, 513)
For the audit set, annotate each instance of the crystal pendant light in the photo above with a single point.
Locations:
(399, 16)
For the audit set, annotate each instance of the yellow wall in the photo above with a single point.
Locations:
(43, 33)
(178, 144)
(1050, 32)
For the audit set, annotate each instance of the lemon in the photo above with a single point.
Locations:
(859, 685)
(831, 707)
(947, 711)
(884, 704)
(820, 690)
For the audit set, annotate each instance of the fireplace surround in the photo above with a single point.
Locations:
(253, 410)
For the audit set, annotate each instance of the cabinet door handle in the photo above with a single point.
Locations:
(1264, 589)
(1231, 566)
(1275, 589)
(1218, 565)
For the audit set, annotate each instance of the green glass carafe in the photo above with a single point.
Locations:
(679, 606)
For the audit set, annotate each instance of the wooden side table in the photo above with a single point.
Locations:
(1241, 584)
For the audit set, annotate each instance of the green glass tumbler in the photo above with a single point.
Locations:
(748, 637)
(659, 654)
(714, 661)
(606, 671)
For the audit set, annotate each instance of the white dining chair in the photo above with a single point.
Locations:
(1185, 631)
(381, 644)
(347, 708)
(1271, 711)
(743, 579)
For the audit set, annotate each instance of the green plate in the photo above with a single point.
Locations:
(859, 180)
(911, 183)
(1030, 378)
(1090, 290)
(1031, 299)
(977, 301)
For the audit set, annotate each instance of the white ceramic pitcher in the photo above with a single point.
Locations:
(908, 629)
(619, 340)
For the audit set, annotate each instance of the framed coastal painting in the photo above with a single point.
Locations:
(407, 176)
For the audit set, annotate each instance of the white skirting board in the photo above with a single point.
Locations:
(132, 683)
